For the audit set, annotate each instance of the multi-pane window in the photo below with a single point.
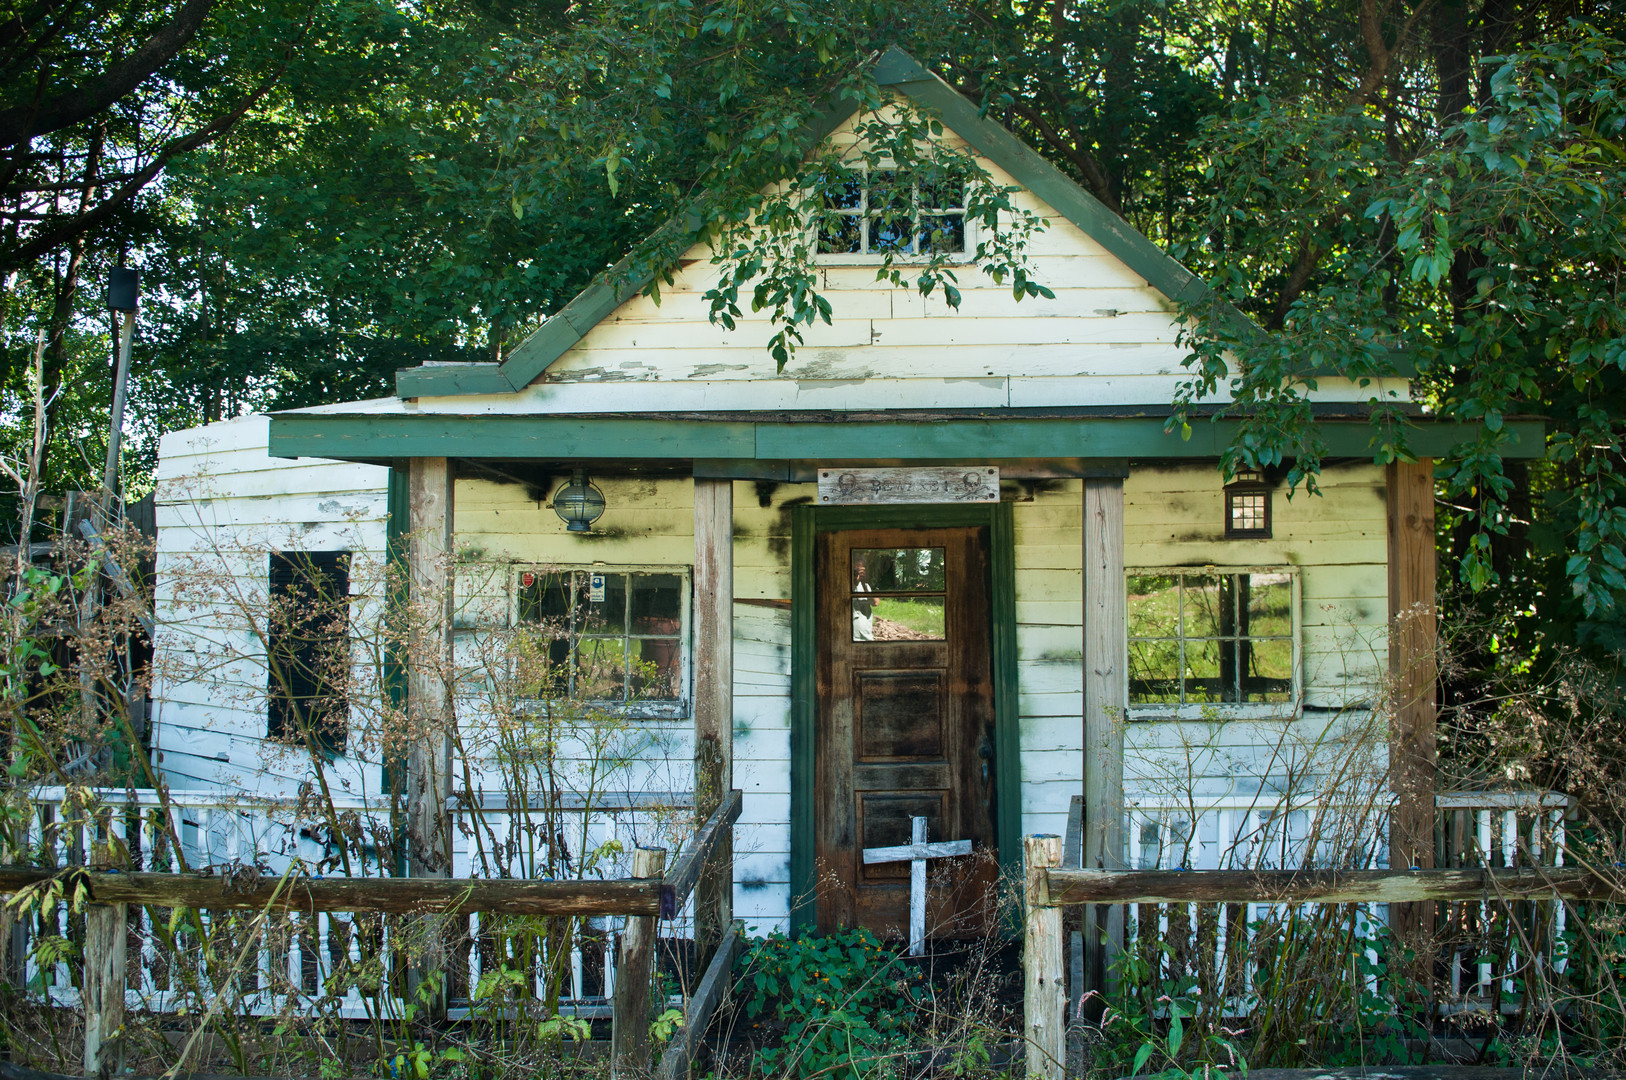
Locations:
(307, 648)
(885, 212)
(1201, 637)
(608, 637)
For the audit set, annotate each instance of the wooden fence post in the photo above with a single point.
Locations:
(105, 927)
(1044, 1000)
(629, 1036)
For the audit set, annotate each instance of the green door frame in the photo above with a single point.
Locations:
(806, 523)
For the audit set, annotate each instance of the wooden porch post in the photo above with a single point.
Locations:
(429, 762)
(1106, 699)
(1413, 671)
(713, 701)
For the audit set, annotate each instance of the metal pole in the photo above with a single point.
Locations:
(110, 476)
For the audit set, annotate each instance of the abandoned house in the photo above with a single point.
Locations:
(947, 564)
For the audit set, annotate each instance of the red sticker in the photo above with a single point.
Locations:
(527, 579)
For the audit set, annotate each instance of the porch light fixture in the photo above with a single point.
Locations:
(578, 503)
(1247, 507)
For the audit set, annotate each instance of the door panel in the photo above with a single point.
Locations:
(905, 723)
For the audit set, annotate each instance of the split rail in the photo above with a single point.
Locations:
(1504, 829)
(650, 893)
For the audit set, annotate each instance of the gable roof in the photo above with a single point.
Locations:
(901, 73)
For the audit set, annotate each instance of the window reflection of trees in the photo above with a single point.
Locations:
(1210, 637)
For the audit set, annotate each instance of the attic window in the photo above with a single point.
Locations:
(883, 212)
(1247, 507)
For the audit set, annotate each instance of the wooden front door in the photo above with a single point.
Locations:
(905, 725)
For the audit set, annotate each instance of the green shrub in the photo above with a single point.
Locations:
(845, 1002)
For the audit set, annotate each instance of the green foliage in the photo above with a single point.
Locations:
(1485, 251)
(839, 1005)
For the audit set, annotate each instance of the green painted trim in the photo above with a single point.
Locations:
(1007, 688)
(803, 718)
(897, 70)
(446, 380)
(397, 584)
(1033, 172)
(978, 437)
(383, 438)
(806, 523)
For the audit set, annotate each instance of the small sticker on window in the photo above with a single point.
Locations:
(527, 579)
(595, 589)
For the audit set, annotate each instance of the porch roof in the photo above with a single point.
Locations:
(913, 436)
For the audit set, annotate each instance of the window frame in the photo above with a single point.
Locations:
(332, 734)
(679, 709)
(1293, 708)
(966, 254)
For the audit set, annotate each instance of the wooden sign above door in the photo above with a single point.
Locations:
(927, 484)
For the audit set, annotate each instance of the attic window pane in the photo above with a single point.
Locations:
(942, 233)
(885, 213)
(844, 237)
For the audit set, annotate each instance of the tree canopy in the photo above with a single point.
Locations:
(1369, 186)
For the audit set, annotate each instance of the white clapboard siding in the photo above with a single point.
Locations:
(212, 727)
(222, 504)
(1106, 338)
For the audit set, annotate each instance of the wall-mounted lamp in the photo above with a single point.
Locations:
(578, 503)
(1247, 507)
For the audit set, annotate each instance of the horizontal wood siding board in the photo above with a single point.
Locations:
(982, 438)
(1324, 886)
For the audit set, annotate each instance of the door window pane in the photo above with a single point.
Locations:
(897, 570)
(898, 618)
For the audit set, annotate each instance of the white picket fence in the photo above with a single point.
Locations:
(318, 960)
(1264, 832)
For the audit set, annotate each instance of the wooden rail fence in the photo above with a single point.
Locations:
(649, 894)
(1049, 886)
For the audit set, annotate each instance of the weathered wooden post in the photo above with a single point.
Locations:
(105, 928)
(1045, 975)
(1106, 700)
(429, 766)
(428, 786)
(713, 701)
(105, 957)
(629, 1036)
(1413, 671)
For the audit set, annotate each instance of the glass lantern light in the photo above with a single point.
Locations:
(1247, 506)
(579, 503)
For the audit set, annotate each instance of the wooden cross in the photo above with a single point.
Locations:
(916, 853)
